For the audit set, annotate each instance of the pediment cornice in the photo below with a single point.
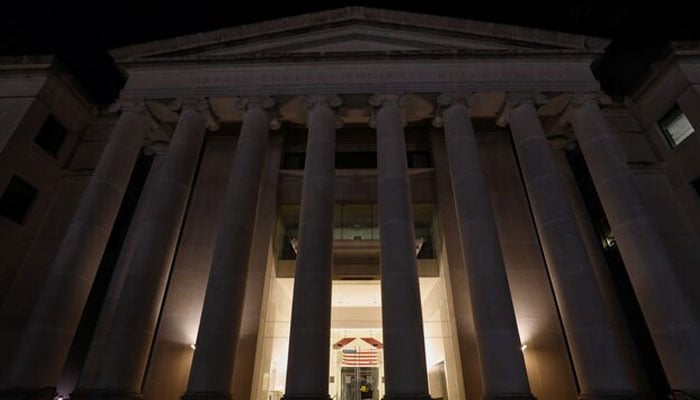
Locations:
(357, 30)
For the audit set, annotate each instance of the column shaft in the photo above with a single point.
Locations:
(598, 362)
(214, 358)
(55, 318)
(309, 339)
(456, 275)
(502, 365)
(402, 322)
(123, 360)
(104, 323)
(672, 324)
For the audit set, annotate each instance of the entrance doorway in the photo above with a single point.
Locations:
(356, 359)
(359, 383)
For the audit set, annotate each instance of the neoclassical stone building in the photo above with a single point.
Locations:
(352, 204)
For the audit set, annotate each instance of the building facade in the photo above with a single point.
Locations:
(352, 204)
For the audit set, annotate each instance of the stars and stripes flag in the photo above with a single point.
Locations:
(360, 357)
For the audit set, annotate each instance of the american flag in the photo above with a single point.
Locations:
(360, 358)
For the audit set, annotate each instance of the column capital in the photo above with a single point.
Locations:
(137, 106)
(331, 101)
(322, 100)
(514, 100)
(382, 100)
(189, 103)
(264, 102)
(378, 101)
(446, 100)
(579, 99)
(202, 106)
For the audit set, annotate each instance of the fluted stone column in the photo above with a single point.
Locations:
(49, 334)
(214, 357)
(404, 346)
(600, 368)
(125, 353)
(502, 365)
(673, 326)
(309, 338)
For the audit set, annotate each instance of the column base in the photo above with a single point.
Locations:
(407, 397)
(206, 396)
(105, 394)
(46, 393)
(306, 397)
(514, 396)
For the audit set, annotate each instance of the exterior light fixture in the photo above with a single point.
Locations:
(523, 347)
(193, 346)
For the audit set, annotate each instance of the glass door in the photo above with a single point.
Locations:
(359, 383)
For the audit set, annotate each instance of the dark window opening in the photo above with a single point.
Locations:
(356, 160)
(51, 136)
(17, 199)
(418, 159)
(355, 222)
(424, 242)
(294, 161)
(625, 292)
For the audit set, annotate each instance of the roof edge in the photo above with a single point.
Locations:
(356, 13)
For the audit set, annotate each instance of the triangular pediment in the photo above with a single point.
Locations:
(358, 30)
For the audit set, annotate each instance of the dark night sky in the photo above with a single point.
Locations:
(81, 32)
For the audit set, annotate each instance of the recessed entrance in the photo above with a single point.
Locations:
(357, 368)
(356, 359)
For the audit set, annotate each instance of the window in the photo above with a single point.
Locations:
(16, 200)
(51, 136)
(356, 160)
(357, 223)
(675, 126)
(294, 161)
(418, 159)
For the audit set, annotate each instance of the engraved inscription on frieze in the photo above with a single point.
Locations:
(389, 75)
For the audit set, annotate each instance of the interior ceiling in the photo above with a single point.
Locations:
(289, 213)
(358, 293)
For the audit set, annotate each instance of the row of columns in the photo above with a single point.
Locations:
(601, 369)
(673, 326)
(48, 336)
(134, 319)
